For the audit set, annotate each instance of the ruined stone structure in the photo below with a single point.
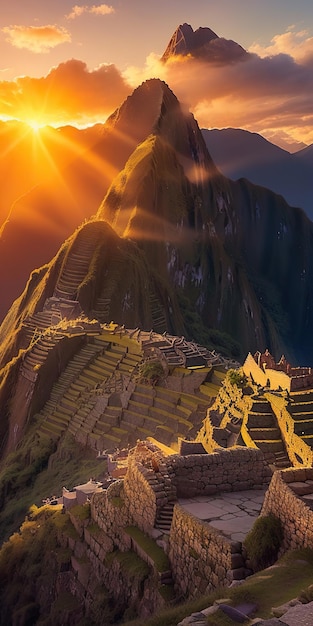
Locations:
(273, 412)
(263, 369)
(201, 558)
(290, 498)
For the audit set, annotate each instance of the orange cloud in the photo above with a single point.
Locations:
(270, 95)
(36, 38)
(70, 93)
(296, 44)
(101, 9)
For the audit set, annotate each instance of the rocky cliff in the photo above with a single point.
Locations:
(190, 250)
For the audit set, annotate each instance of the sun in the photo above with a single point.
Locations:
(35, 125)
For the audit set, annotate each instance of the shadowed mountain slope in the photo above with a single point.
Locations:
(241, 154)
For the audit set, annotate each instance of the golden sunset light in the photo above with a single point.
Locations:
(268, 92)
(156, 313)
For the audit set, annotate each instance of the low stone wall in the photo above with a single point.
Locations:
(201, 558)
(301, 381)
(283, 499)
(227, 469)
(140, 496)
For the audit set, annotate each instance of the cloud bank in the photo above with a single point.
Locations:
(37, 39)
(70, 93)
(268, 90)
(266, 93)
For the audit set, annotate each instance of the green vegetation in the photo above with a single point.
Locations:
(81, 511)
(272, 587)
(130, 562)
(211, 338)
(26, 477)
(237, 377)
(263, 541)
(151, 548)
(151, 372)
(30, 559)
(117, 501)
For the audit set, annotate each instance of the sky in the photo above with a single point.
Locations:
(66, 63)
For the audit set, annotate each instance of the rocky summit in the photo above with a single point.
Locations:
(226, 263)
(203, 44)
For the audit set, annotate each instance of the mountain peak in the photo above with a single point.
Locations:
(187, 41)
(203, 44)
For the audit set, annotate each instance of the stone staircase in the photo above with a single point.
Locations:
(65, 398)
(264, 431)
(35, 325)
(36, 356)
(164, 517)
(301, 410)
(162, 413)
(77, 262)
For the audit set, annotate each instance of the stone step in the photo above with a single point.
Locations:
(269, 446)
(264, 433)
(137, 407)
(136, 419)
(261, 420)
(142, 398)
(303, 427)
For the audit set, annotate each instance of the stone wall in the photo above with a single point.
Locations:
(97, 564)
(285, 499)
(110, 511)
(201, 558)
(230, 407)
(188, 382)
(140, 496)
(227, 469)
(148, 485)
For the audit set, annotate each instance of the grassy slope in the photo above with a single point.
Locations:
(270, 588)
(27, 478)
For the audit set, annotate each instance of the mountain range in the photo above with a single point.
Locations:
(54, 179)
(211, 255)
(241, 154)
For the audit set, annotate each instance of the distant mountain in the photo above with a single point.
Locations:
(241, 154)
(306, 155)
(188, 251)
(203, 44)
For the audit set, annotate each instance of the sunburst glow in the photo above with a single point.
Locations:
(35, 125)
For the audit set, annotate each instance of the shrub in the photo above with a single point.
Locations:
(263, 542)
(151, 371)
(237, 377)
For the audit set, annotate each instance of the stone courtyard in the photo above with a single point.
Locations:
(233, 514)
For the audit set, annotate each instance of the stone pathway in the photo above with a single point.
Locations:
(232, 513)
